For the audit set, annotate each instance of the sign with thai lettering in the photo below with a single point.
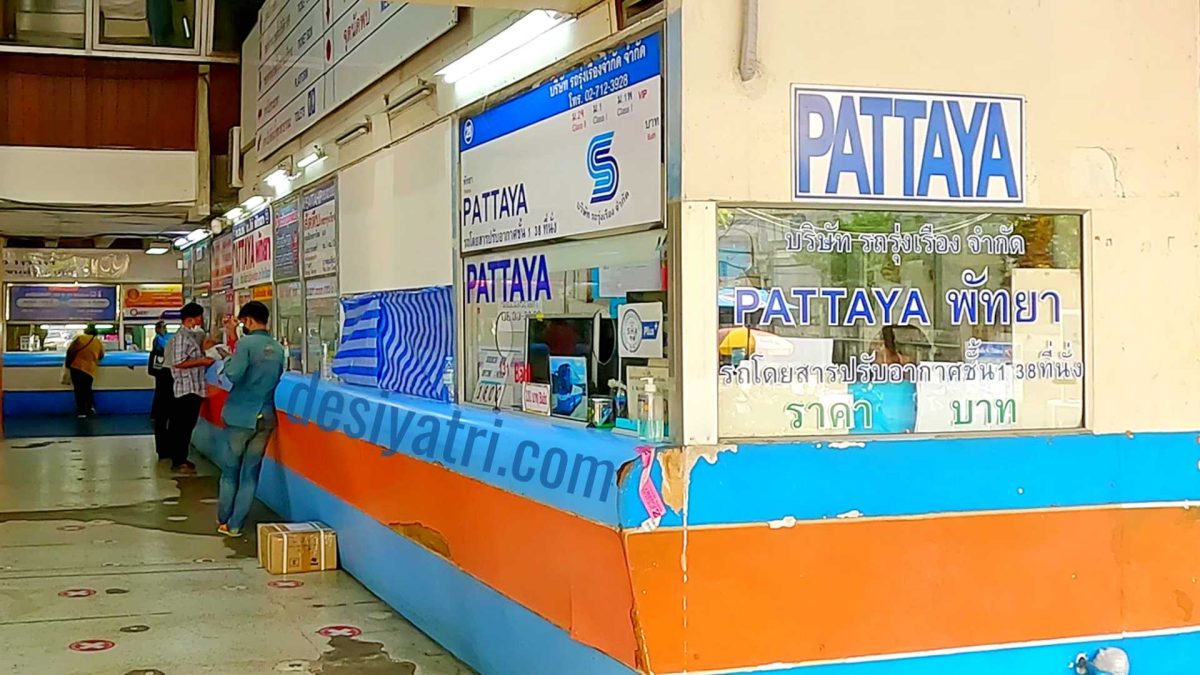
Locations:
(141, 301)
(320, 229)
(896, 146)
(317, 54)
(62, 303)
(252, 249)
(287, 238)
(222, 266)
(580, 153)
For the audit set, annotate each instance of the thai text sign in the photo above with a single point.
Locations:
(62, 303)
(252, 249)
(875, 145)
(580, 153)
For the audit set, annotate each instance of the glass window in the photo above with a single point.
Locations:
(322, 322)
(290, 322)
(147, 23)
(43, 23)
(868, 322)
(232, 22)
(559, 316)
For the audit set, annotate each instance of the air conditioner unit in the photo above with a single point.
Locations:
(235, 157)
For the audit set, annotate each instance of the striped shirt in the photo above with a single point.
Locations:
(185, 346)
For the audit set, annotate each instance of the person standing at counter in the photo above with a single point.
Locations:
(254, 369)
(83, 360)
(186, 359)
(164, 389)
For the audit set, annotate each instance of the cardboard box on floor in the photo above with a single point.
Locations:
(291, 548)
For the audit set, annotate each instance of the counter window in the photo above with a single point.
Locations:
(572, 330)
(865, 322)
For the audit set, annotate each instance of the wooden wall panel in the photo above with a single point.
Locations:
(88, 102)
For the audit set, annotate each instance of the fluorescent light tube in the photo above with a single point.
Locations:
(530, 27)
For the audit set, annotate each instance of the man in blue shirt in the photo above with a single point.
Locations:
(254, 370)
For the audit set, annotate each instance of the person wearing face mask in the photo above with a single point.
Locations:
(185, 357)
(249, 413)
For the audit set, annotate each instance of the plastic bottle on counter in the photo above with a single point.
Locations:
(448, 377)
(650, 413)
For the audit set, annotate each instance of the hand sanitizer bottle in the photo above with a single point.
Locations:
(650, 413)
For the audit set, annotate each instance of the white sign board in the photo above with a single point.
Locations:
(640, 330)
(252, 254)
(319, 218)
(894, 146)
(580, 153)
(317, 54)
(535, 398)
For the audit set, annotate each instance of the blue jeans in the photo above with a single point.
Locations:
(239, 471)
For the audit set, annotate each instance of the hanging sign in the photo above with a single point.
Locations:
(222, 262)
(287, 238)
(896, 146)
(62, 303)
(320, 230)
(150, 301)
(252, 249)
(581, 153)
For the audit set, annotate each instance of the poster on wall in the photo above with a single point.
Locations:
(150, 301)
(62, 303)
(581, 153)
(252, 249)
(869, 145)
(202, 266)
(222, 266)
(320, 229)
(287, 238)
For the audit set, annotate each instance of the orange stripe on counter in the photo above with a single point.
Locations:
(213, 404)
(568, 570)
(839, 589)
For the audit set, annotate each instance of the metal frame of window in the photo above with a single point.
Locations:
(201, 51)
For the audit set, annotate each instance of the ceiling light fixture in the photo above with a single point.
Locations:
(157, 249)
(254, 202)
(311, 158)
(527, 29)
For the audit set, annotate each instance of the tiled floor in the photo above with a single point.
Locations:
(110, 565)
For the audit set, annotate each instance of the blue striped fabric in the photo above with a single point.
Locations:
(358, 356)
(416, 336)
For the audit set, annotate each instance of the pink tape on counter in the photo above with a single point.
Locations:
(646, 490)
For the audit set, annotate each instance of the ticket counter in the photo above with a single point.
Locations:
(33, 385)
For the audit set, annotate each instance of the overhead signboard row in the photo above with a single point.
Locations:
(317, 54)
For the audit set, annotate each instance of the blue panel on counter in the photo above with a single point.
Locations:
(62, 402)
(55, 359)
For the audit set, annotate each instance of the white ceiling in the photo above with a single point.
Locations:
(52, 224)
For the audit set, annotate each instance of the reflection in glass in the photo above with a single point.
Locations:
(43, 23)
(148, 23)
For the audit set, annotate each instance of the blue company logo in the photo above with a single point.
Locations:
(468, 132)
(602, 167)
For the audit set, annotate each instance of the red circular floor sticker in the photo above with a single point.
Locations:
(285, 583)
(92, 645)
(339, 631)
(76, 593)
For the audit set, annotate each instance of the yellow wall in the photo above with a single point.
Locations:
(1111, 128)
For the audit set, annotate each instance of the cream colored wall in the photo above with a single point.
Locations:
(43, 175)
(1112, 128)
